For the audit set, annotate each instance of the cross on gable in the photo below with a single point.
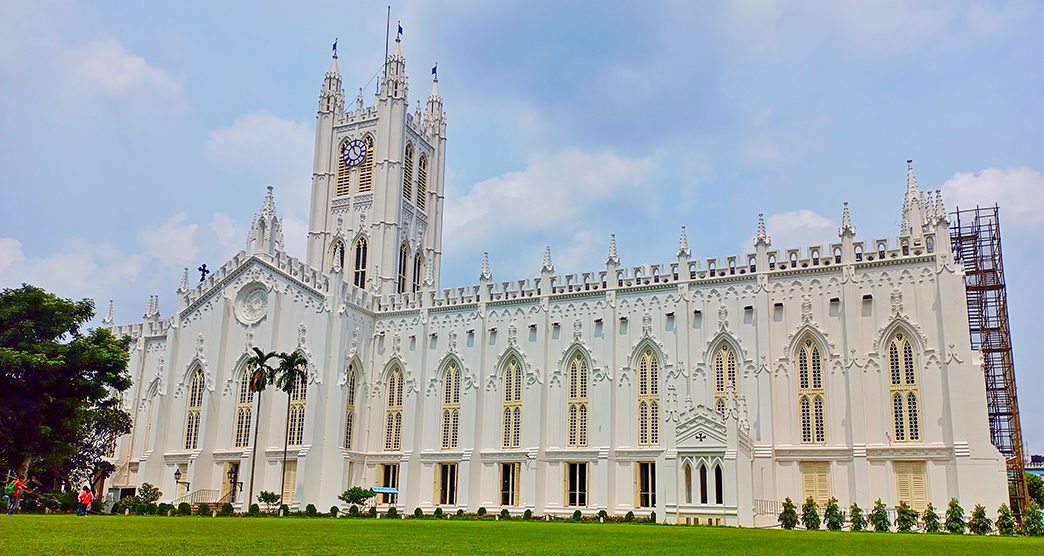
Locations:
(203, 271)
(700, 436)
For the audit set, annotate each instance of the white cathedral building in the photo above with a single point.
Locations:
(704, 390)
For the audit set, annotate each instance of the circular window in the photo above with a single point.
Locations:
(252, 303)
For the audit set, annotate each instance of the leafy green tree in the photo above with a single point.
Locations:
(261, 373)
(227, 509)
(311, 511)
(930, 518)
(954, 518)
(149, 493)
(268, 498)
(1005, 520)
(357, 496)
(810, 514)
(1033, 521)
(291, 372)
(203, 510)
(979, 524)
(856, 517)
(906, 517)
(832, 516)
(65, 381)
(879, 517)
(1035, 486)
(788, 518)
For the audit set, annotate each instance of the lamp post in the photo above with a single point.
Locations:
(178, 481)
(233, 474)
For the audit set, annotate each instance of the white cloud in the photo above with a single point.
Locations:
(173, 243)
(1018, 191)
(79, 269)
(797, 229)
(10, 252)
(229, 236)
(104, 67)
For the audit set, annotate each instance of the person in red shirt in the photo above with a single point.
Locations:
(14, 493)
(84, 498)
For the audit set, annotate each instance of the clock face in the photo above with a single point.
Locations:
(354, 152)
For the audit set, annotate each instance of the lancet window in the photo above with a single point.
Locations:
(811, 394)
(577, 406)
(194, 410)
(393, 412)
(724, 364)
(648, 398)
(451, 407)
(512, 404)
(903, 388)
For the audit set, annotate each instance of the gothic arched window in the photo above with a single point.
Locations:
(724, 366)
(366, 168)
(359, 270)
(451, 407)
(393, 412)
(811, 394)
(298, 400)
(349, 413)
(404, 262)
(244, 409)
(577, 405)
(903, 388)
(418, 269)
(344, 172)
(194, 409)
(648, 398)
(407, 173)
(422, 182)
(512, 404)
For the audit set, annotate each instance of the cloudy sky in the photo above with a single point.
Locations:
(137, 140)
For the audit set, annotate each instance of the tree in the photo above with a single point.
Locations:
(57, 381)
(879, 517)
(268, 498)
(810, 514)
(260, 375)
(291, 370)
(1005, 520)
(906, 517)
(100, 425)
(357, 496)
(856, 517)
(1033, 521)
(148, 493)
(1035, 488)
(930, 519)
(788, 518)
(954, 518)
(832, 516)
(979, 524)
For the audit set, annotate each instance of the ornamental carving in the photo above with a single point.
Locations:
(252, 303)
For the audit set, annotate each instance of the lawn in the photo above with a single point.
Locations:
(42, 534)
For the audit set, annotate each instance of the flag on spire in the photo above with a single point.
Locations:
(435, 71)
(399, 35)
(335, 48)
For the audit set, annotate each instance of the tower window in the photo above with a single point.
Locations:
(366, 168)
(359, 273)
(811, 394)
(903, 388)
(422, 182)
(418, 265)
(407, 173)
(404, 261)
(344, 172)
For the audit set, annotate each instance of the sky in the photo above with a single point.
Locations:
(137, 139)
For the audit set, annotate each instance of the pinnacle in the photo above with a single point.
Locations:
(485, 275)
(683, 245)
(548, 266)
(846, 224)
(613, 258)
(762, 237)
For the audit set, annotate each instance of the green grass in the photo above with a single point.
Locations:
(64, 534)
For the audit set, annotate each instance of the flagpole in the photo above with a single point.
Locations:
(387, 33)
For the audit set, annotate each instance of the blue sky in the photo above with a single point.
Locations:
(138, 138)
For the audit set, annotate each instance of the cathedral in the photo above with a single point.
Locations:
(705, 391)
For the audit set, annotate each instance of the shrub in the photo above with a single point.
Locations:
(124, 503)
(602, 514)
(373, 511)
(140, 509)
(268, 498)
(203, 510)
(460, 513)
(856, 518)
(979, 524)
(226, 510)
(832, 516)
(1033, 521)
(162, 509)
(353, 510)
(310, 510)
(879, 517)
(438, 513)
(930, 519)
(357, 495)
(148, 493)
(504, 514)
(334, 510)
(254, 509)
(184, 509)
(906, 517)
(392, 512)
(788, 518)
(629, 518)
(481, 511)
(652, 517)
(1005, 521)
(284, 510)
(577, 516)
(417, 513)
(954, 518)
(810, 514)
(527, 515)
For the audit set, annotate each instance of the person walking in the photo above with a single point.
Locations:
(84, 499)
(14, 493)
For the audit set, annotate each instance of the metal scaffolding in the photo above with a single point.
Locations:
(976, 240)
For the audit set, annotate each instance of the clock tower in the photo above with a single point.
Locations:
(378, 184)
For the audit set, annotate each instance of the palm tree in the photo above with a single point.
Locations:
(292, 368)
(261, 373)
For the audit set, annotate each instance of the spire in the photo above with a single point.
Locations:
(183, 287)
(613, 258)
(940, 209)
(548, 266)
(914, 209)
(846, 224)
(266, 232)
(331, 99)
(485, 275)
(762, 238)
(394, 81)
(683, 245)
(434, 109)
(359, 100)
(107, 319)
(152, 308)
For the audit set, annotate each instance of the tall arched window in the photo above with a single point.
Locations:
(244, 410)
(404, 262)
(724, 365)
(366, 168)
(418, 269)
(393, 412)
(337, 255)
(648, 398)
(688, 484)
(349, 413)
(578, 404)
(512, 405)
(359, 272)
(297, 412)
(811, 394)
(903, 388)
(344, 172)
(422, 182)
(719, 486)
(703, 484)
(194, 410)
(407, 173)
(451, 407)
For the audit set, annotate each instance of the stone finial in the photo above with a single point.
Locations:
(183, 287)
(683, 245)
(846, 229)
(548, 266)
(911, 179)
(613, 258)
(359, 100)
(108, 318)
(940, 208)
(429, 274)
(152, 308)
(485, 275)
(762, 238)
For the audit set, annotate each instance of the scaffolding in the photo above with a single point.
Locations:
(976, 240)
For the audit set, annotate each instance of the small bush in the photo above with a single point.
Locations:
(906, 517)
(254, 510)
(203, 510)
(460, 513)
(954, 518)
(810, 514)
(140, 509)
(417, 513)
(856, 518)
(930, 519)
(504, 514)
(1005, 521)
(184, 509)
(373, 511)
(284, 510)
(162, 509)
(310, 510)
(652, 517)
(629, 518)
(392, 512)
(979, 524)
(438, 513)
(1033, 521)
(334, 510)
(527, 515)
(879, 517)
(353, 510)
(603, 514)
(577, 515)
(788, 518)
(482, 511)
(832, 516)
